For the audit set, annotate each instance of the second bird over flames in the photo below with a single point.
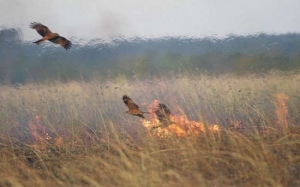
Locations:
(163, 115)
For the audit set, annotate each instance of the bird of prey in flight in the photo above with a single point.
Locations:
(133, 108)
(163, 115)
(48, 35)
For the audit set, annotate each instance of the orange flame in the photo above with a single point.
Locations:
(58, 141)
(41, 137)
(39, 133)
(182, 126)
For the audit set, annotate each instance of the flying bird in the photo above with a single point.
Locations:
(48, 35)
(133, 108)
(163, 115)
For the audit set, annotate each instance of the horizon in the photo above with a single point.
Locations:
(119, 39)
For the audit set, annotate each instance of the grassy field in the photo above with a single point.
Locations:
(229, 131)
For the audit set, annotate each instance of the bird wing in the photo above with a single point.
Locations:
(40, 28)
(165, 109)
(130, 104)
(162, 112)
(62, 41)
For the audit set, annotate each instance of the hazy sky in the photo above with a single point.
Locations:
(87, 19)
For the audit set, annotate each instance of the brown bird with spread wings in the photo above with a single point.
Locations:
(163, 115)
(48, 35)
(133, 108)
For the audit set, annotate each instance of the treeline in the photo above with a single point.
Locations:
(22, 62)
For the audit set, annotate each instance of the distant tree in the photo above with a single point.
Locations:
(22, 62)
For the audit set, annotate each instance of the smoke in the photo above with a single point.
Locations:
(106, 26)
(112, 24)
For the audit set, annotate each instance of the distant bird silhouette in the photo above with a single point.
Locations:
(48, 35)
(163, 115)
(133, 108)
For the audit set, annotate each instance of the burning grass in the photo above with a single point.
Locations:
(224, 131)
(178, 125)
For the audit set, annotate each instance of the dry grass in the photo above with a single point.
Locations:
(78, 134)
